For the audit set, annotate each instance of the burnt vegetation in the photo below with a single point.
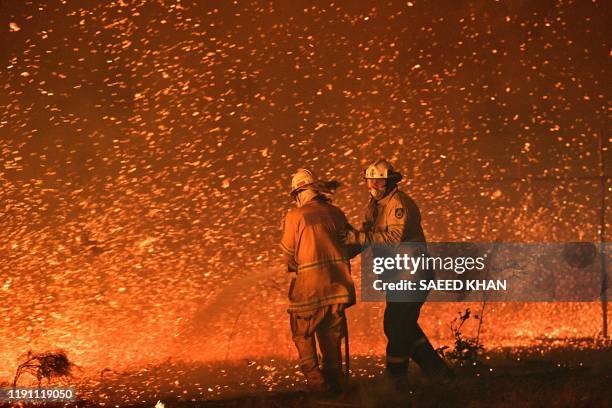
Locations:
(466, 351)
(53, 365)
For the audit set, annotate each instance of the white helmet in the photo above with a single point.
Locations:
(382, 169)
(302, 178)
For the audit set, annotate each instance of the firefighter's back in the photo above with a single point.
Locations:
(323, 266)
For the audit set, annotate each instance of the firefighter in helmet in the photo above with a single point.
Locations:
(393, 217)
(322, 286)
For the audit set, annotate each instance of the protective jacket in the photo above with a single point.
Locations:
(313, 249)
(393, 219)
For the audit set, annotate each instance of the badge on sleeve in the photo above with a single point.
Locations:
(399, 213)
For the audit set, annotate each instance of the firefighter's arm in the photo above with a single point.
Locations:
(287, 243)
(397, 221)
(353, 239)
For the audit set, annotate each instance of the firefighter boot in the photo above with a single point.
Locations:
(314, 380)
(397, 373)
(334, 381)
(430, 361)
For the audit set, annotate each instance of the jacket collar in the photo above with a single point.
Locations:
(306, 196)
(383, 201)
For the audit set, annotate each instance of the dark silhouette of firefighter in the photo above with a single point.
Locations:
(393, 217)
(322, 286)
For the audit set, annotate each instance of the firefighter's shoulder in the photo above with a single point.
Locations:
(407, 203)
(334, 208)
(398, 205)
(336, 212)
(290, 216)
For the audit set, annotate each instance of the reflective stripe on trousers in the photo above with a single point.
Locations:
(324, 326)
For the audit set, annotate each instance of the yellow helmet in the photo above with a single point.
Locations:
(302, 178)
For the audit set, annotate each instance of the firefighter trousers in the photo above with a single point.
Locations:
(325, 326)
(406, 339)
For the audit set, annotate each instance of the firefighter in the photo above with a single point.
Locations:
(393, 217)
(321, 286)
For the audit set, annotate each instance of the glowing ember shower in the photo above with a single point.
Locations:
(146, 150)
